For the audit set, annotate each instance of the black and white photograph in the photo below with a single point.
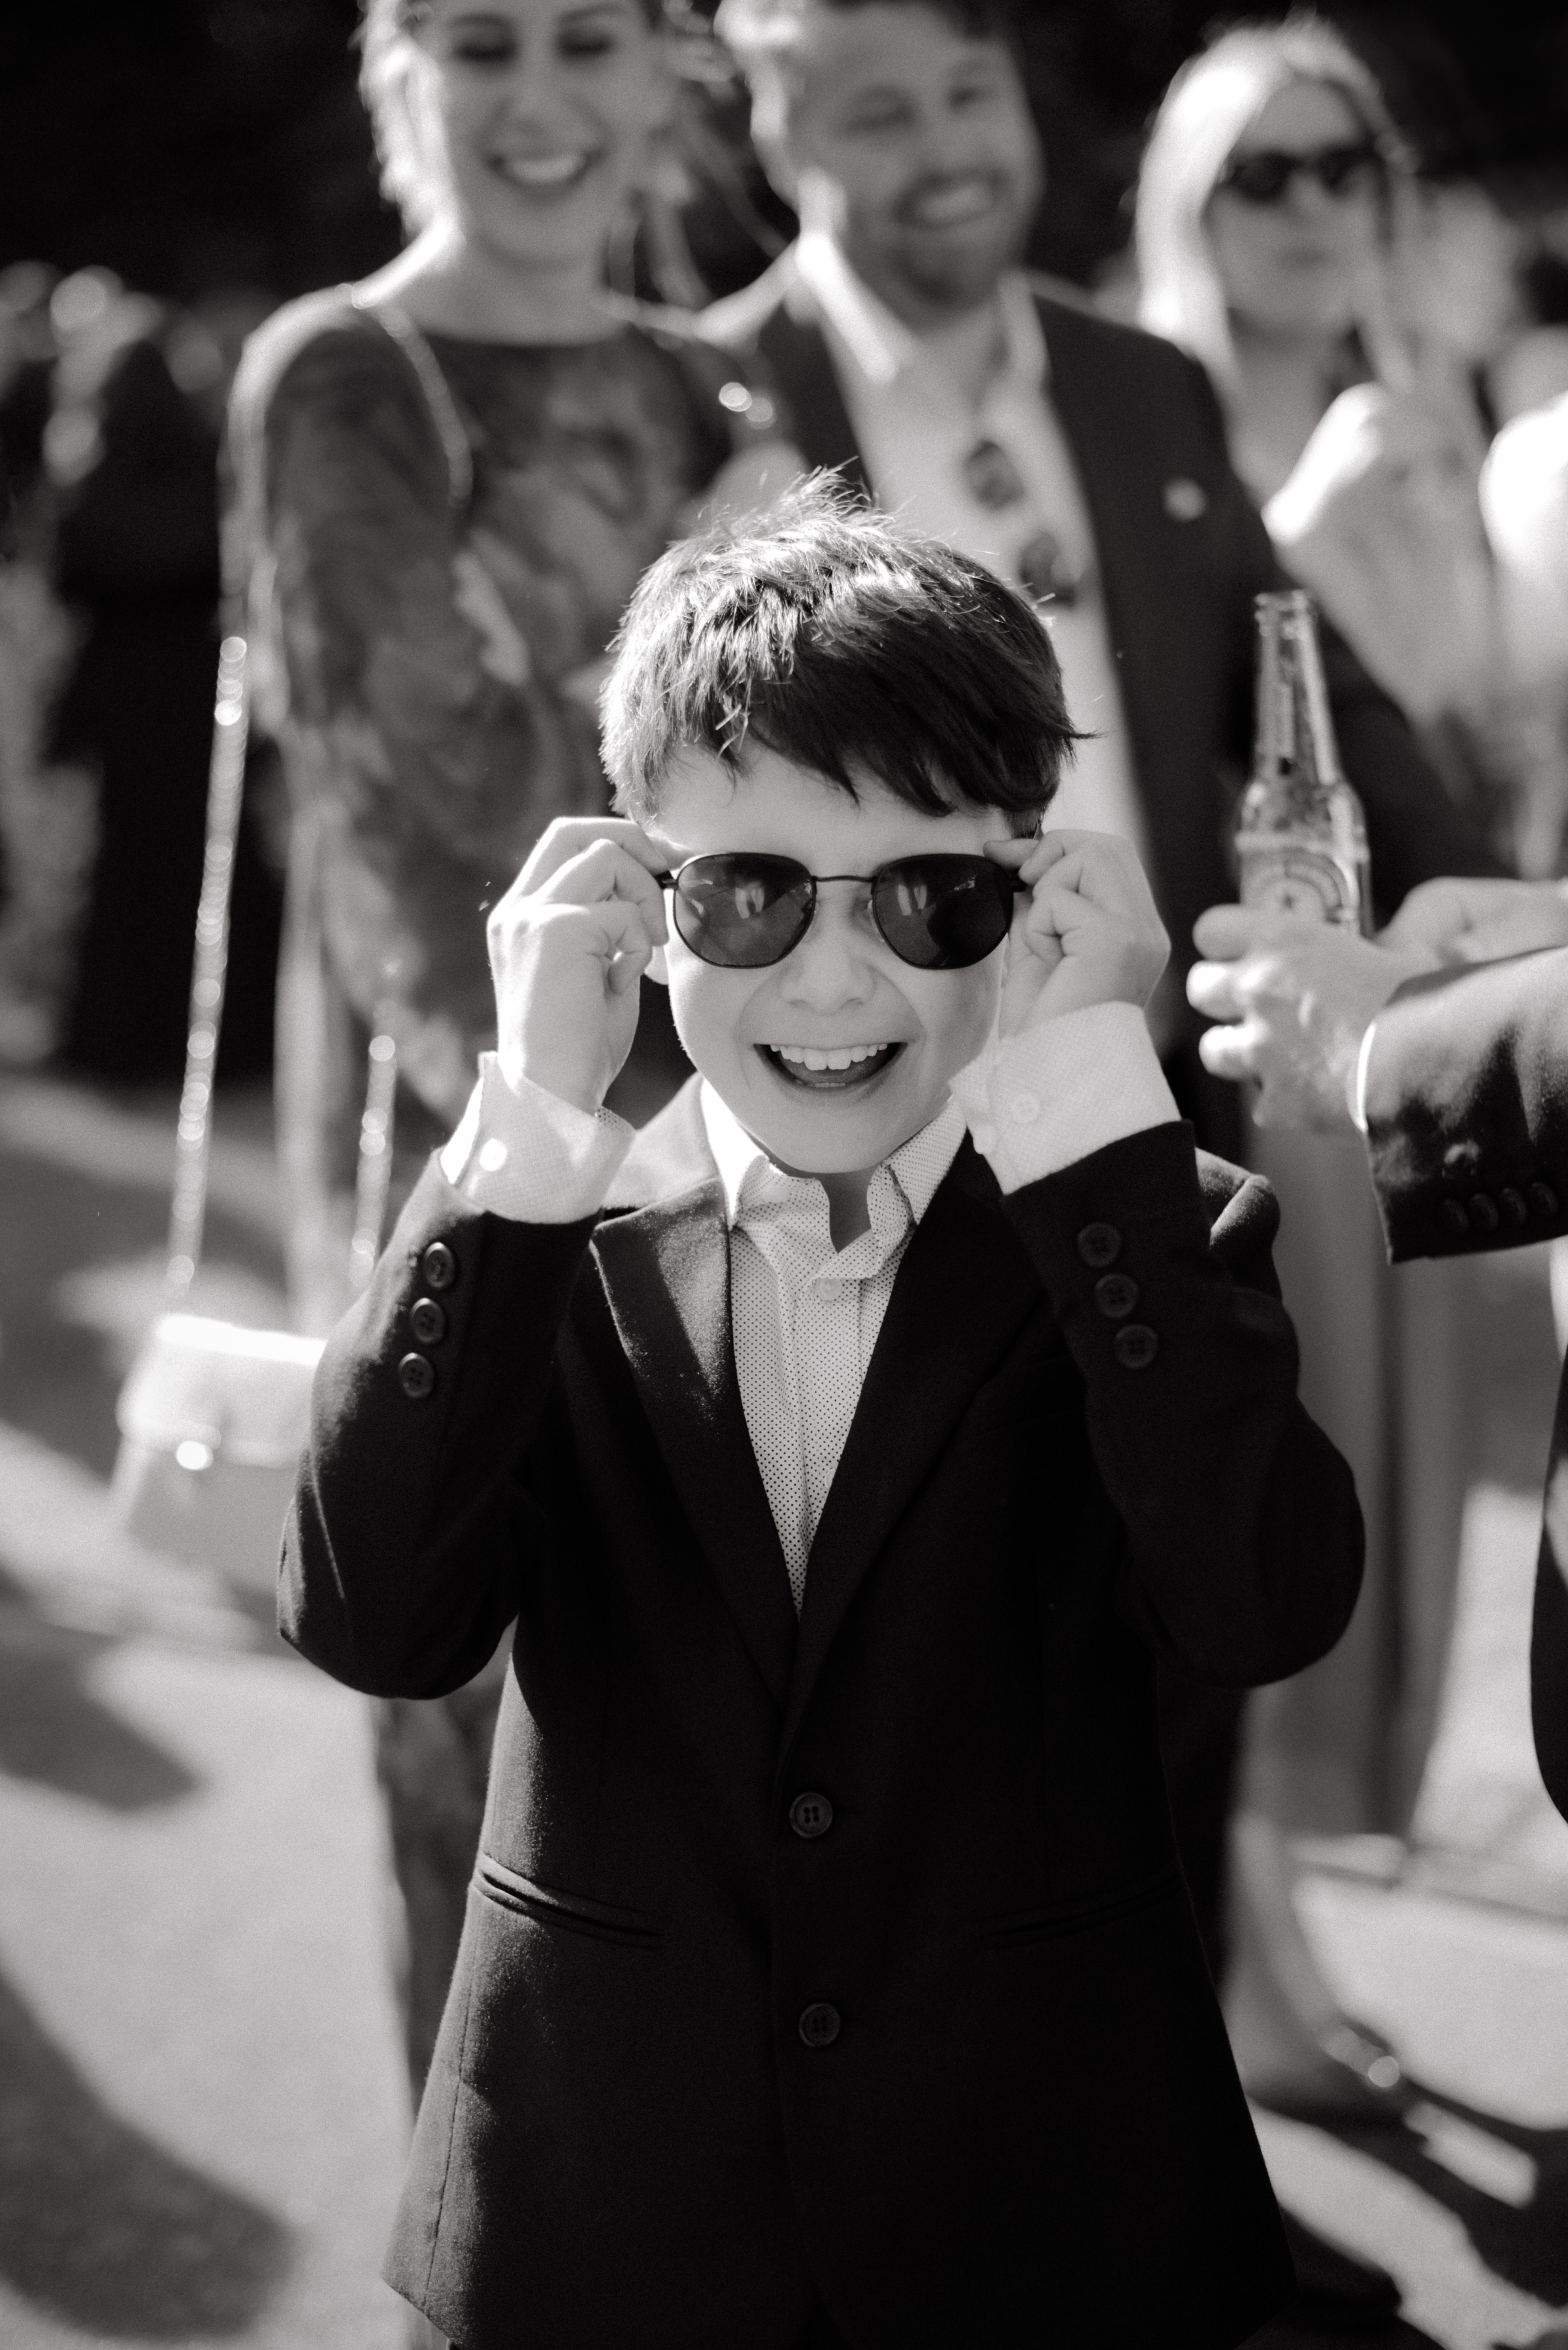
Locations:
(784, 1175)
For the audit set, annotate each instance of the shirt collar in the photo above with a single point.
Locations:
(880, 345)
(916, 1167)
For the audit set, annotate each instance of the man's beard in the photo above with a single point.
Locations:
(946, 276)
(957, 280)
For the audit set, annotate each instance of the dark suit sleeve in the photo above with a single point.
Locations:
(1413, 829)
(1467, 1107)
(411, 1522)
(1466, 1128)
(1244, 1535)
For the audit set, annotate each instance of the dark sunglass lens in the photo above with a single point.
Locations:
(743, 911)
(943, 913)
(1261, 179)
(1341, 169)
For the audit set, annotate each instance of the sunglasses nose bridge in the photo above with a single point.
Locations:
(828, 966)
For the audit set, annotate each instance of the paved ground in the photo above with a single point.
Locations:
(201, 2106)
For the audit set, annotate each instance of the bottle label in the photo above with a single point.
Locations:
(1302, 882)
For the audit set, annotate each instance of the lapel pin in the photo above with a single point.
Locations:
(1185, 499)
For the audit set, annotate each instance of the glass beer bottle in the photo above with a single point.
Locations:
(1300, 837)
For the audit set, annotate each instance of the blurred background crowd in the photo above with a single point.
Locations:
(170, 181)
(177, 174)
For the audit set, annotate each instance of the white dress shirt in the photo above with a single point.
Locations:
(805, 1317)
(915, 427)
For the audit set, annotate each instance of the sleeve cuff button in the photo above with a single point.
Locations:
(1543, 1199)
(439, 1266)
(1115, 1294)
(1023, 1108)
(1135, 1346)
(416, 1377)
(1099, 1244)
(427, 1321)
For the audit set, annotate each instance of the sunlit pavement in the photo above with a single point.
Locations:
(202, 2111)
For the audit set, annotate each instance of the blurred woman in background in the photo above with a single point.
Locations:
(1273, 220)
(451, 477)
(1281, 239)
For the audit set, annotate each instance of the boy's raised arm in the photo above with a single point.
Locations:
(410, 1520)
(1243, 1531)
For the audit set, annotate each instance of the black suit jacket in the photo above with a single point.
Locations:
(1027, 2125)
(1141, 419)
(1466, 1104)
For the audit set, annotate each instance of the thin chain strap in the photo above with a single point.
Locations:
(209, 976)
(225, 789)
(373, 1173)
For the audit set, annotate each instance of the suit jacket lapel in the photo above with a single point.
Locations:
(964, 1291)
(801, 368)
(666, 1272)
(1165, 642)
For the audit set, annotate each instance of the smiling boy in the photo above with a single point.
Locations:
(828, 1977)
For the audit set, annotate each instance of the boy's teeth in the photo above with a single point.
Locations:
(837, 1057)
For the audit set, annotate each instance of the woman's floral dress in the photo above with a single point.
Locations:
(431, 650)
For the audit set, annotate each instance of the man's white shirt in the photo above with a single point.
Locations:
(915, 430)
(805, 1317)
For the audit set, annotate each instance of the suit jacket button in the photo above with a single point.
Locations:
(1512, 1205)
(416, 1377)
(810, 1815)
(1454, 1216)
(819, 2024)
(1115, 1294)
(439, 1266)
(1543, 1199)
(1483, 1212)
(1185, 500)
(1135, 1346)
(1099, 1244)
(427, 1321)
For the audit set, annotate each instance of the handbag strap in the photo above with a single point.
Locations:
(209, 975)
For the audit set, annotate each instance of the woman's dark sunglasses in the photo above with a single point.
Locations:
(1266, 177)
(940, 913)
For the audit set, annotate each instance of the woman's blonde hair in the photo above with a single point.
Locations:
(1203, 115)
(386, 32)
(386, 52)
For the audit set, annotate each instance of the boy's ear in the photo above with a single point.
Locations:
(657, 968)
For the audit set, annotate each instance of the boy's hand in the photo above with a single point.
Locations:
(1089, 934)
(568, 943)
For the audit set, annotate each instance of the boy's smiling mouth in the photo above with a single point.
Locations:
(829, 1069)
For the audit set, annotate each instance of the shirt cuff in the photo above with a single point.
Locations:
(1358, 1088)
(522, 1153)
(1038, 1101)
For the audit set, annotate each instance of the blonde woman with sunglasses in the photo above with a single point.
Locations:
(1276, 221)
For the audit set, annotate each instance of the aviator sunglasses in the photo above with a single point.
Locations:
(940, 913)
(1265, 177)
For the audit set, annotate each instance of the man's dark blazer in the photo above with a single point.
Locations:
(1467, 1128)
(1182, 553)
(948, 2060)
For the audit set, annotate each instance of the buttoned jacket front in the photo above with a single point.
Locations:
(845, 1959)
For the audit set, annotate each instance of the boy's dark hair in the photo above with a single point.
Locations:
(846, 644)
